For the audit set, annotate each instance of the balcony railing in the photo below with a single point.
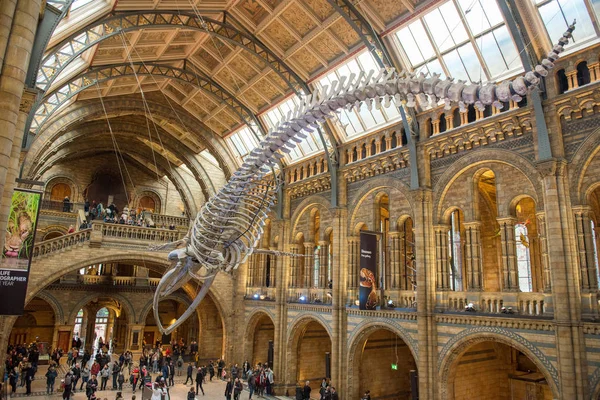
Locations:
(61, 243)
(309, 295)
(260, 293)
(136, 232)
(170, 220)
(522, 303)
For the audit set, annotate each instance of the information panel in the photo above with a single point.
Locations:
(368, 271)
(17, 251)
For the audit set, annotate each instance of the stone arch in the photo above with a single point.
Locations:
(57, 179)
(126, 304)
(459, 343)
(53, 229)
(314, 201)
(58, 310)
(252, 323)
(148, 307)
(46, 270)
(580, 163)
(358, 338)
(489, 157)
(380, 184)
(295, 332)
(153, 194)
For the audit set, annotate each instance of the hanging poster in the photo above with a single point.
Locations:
(367, 294)
(17, 250)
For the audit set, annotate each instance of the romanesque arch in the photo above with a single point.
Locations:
(260, 329)
(357, 347)
(459, 344)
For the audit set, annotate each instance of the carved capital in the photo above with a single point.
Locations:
(555, 167)
(28, 100)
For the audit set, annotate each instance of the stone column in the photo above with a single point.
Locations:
(339, 316)
(510, 275)
(323, 261)
(473, 258)
(89, 320)
(353, 261)
(394, 263)
(273, 269)
(585, 245)
(425, 260)
(571, 349)
(7, 13)
(309, 264)
(541, 226)
(572, 81)
(294, 266)
(12, 80)
(441, 257)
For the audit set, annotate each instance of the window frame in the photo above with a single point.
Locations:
(471, 39)
(455, 252)
(365, 129)
(525, 263)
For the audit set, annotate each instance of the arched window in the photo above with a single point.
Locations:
(583, 74)
(523, 258)
(455, 251)
(443, 125)
(78, 322)
(317, 265)
(562, 81)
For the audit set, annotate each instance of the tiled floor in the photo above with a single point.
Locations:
(213, 390)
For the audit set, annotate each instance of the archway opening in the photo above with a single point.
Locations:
(262, 339)
(508, 374)
(385, 365)
(35, 325)
(146, 203)
(313, 357)
(169, 311)
(52, 235)
(106, 187)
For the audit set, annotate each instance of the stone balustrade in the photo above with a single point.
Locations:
(181, 222)
(401, 298)
(260, 293)
(522, 303)
(124, 235)
(61, 243)
(309, 295)
(137, 233)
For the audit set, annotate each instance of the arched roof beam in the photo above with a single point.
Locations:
(77, 43)
(133, 130)
(98, 75)
(128, 105)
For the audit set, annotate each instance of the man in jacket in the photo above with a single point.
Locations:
(228, 389)
(334, 395)
(199, 381)
(76, 375)
(104, 377)
(50, 379)
(306, 391)
(189, 374)
(115, 373)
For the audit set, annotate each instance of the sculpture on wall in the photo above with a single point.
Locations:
(228, 228)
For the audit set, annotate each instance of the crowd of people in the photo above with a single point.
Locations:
(156, 369)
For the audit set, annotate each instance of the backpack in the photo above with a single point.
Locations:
(179, 363)
(68, 380)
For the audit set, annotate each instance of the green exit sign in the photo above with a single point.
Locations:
(394, 366)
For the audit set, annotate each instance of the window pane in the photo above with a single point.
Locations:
(481, 14)
(508, 48)
(491, 54)
(557, 15)
(455, 66)
(417, 52)
(471, 63)
(367, 62)
(446, 27)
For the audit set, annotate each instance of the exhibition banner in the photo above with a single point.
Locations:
(18, 249)
(367, 293)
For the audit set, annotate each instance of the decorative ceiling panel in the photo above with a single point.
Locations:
(326, 46)
(298, 19)
(280, 35)
(252, 10)
(320, 8)
(345, 33)
(308, 61)
(388, 10)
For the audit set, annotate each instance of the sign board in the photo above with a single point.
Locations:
(367, 294)
(17, 251)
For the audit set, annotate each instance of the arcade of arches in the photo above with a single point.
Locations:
(486, 269)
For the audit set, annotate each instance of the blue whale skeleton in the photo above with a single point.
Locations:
(229, 226)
